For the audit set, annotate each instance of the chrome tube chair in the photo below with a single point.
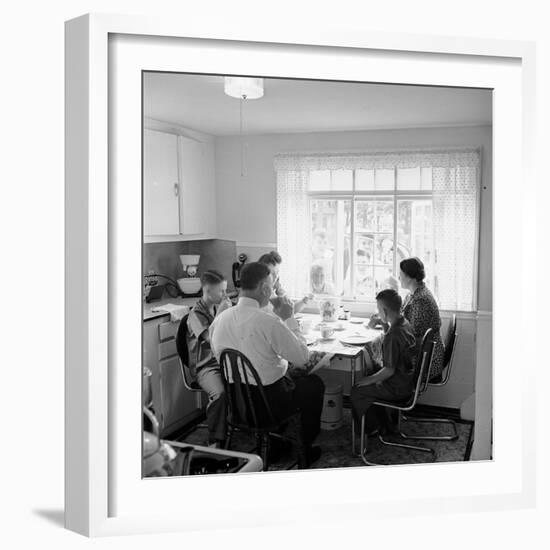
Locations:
(441, 380)
(189, 380)
(423, 363)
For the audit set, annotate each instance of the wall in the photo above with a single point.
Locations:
(246, 211)
(246, 206)
(164, 257)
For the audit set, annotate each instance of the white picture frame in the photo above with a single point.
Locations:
(105, 494)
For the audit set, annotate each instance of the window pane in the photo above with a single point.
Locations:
(364, 180)
(364, 281)
(342, 180)
(408, 178)
(330, 245)
(384, 180)
(415, 233)
(381, 276)
(383, 250)
(384, 216)
(364, 249)
(364, 216)
(319, 180)
(404, 209)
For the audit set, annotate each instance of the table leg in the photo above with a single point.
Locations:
(353, 367)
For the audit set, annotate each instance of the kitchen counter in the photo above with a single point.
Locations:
(148, 314)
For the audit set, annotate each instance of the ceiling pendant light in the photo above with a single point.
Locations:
(243, 88)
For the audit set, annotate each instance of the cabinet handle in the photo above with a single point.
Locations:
(176, 189)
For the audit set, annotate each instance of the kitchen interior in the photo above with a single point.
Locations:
(210, 202)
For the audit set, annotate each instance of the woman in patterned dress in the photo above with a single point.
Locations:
(420, 309)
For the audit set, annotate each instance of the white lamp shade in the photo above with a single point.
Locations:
(239, 87)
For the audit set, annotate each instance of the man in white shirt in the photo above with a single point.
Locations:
(270, 342)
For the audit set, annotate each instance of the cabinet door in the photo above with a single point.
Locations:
(160, 184)
(178, 404)
(193, 192)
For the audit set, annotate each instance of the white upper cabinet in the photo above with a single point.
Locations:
(179, 200)
(161, 214)
(193, 185)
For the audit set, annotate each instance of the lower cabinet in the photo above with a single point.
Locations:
(174, 404)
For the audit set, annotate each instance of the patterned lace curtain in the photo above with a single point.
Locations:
(455, 214)
(293, 230)
(455, 210)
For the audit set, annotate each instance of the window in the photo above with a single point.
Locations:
(356, 217)
(352, 218)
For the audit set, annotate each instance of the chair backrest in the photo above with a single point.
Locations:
(247, 404)
(183, 353)
(423, 364)
(450, 348)
(450, 342)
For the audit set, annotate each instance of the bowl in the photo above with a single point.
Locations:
(189, 285)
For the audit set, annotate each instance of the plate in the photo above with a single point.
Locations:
(329, 339)
(357, 320)
(355, 340)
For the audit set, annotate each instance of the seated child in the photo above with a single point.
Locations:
(201, 359)
(395, 380)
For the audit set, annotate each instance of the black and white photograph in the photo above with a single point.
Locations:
(316, 273)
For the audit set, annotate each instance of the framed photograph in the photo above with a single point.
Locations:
(288, 261)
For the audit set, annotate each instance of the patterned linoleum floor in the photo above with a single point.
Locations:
(336, 446)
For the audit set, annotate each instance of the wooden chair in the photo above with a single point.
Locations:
(249, 410)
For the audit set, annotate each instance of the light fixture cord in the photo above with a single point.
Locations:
(243, 97)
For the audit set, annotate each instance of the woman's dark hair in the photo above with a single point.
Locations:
(413, 268)
(271, 258)
(212, 277)
(253, 274)
(391, 299)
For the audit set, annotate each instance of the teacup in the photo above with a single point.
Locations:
(326, 331)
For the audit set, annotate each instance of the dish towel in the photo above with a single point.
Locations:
(176, 312)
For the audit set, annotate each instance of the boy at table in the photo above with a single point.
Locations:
(395, 380)
(273, 260)
(202, 362)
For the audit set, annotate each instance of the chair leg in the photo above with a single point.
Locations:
(403, 445)
(300, 445)
(363, 444)
(385, 442)
(451, 437)
(264, 450)
(228, 438)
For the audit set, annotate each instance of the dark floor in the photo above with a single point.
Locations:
(336, 446)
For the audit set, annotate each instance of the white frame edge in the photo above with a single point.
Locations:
(87, 245)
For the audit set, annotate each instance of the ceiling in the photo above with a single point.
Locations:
(198, 102)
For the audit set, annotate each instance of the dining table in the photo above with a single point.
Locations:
(347, 342)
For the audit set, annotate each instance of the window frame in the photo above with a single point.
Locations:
(394, 195)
